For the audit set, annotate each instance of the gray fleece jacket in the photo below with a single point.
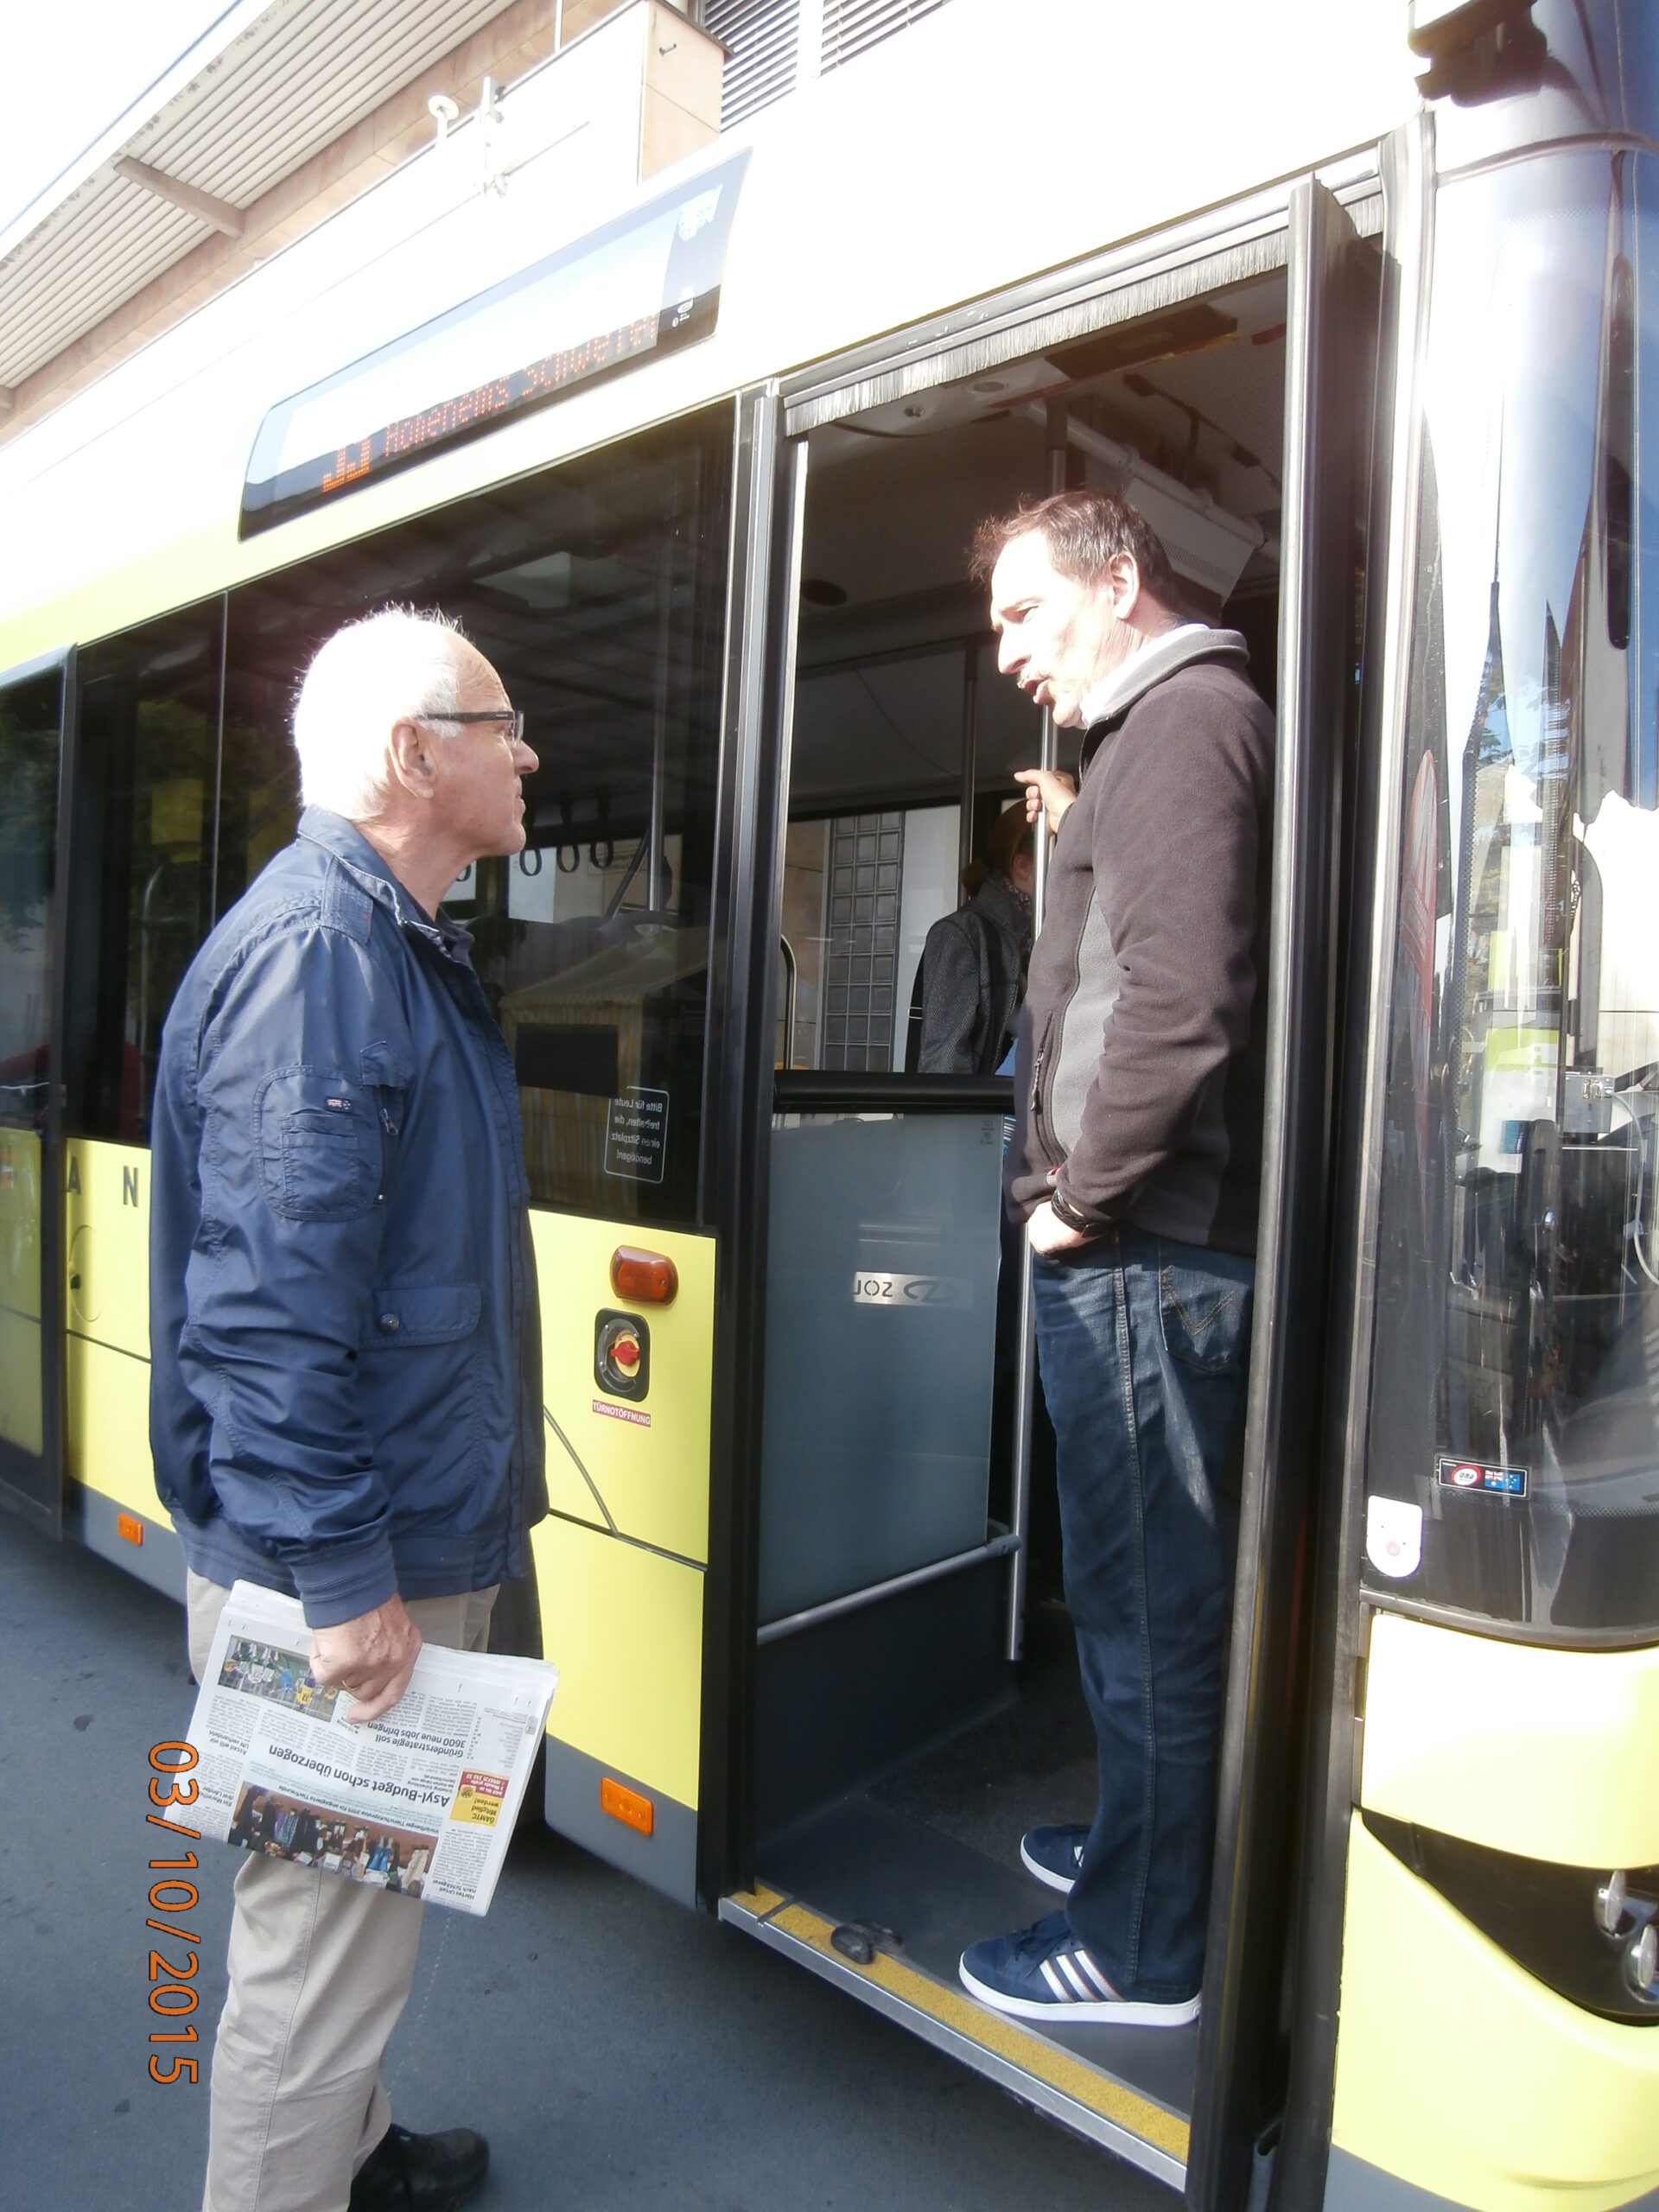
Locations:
(1139, 1078)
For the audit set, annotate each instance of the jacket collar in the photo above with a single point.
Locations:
(1013, 919)
(333, 834)
(1178, 648)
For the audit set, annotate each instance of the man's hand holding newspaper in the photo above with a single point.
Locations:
(420, 1800)
(372, 1657)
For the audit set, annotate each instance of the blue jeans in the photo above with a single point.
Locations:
(1144, 1345)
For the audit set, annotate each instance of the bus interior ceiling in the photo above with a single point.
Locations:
(899, 1756)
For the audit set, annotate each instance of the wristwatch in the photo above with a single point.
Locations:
(1070, 1215)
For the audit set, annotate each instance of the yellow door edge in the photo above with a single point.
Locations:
(759, 1902)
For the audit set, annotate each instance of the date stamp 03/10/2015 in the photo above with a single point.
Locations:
(173, 1995)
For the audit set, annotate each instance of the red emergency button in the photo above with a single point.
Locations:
(622, 1355)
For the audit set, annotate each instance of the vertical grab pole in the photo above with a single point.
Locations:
(655, 835)
(791, 982)
(1025, 1371)
(969, 764)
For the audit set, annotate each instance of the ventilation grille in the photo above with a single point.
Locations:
(850, 26)
(762, 36)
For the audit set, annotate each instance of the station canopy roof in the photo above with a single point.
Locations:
(270, 85)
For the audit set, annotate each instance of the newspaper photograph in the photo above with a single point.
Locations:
(420, 1802)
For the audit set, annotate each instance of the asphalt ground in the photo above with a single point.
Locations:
(617, 2050)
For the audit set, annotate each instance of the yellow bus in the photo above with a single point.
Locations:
(1353, 303)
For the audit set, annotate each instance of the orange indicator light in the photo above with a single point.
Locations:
(626, 1806)
(643, 1278)
(129, 1526)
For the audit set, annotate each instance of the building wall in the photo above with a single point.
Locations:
(679, 112)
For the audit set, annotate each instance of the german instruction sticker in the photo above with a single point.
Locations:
(1473, 1475)
(1393, 1536)
(636, 1134)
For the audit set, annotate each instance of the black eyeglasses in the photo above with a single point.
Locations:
(513, 714)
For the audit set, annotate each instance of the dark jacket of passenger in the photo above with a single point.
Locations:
(346, 1385)
(969, 985)
(1138, 1080)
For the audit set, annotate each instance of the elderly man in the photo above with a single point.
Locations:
(346, 1398)
(1136, 1164)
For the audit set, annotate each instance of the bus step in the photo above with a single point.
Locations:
(1085, 2097)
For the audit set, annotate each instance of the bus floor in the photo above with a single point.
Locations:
(926, 1859)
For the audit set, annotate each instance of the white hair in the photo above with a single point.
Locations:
(394, 666)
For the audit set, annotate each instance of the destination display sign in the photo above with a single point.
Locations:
(645, 284)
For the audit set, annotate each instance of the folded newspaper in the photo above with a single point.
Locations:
(420, 1802)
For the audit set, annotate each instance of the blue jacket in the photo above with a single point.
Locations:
(346, 1394)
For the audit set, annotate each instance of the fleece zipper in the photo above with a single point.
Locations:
(1041, 1125)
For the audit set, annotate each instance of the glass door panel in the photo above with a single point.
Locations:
(1512, 1466)
(881, 1281)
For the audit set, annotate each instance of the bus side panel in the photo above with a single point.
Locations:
(20, 1290)
(620, 1560)
(106, 1253)
(1461, 2074)
(1517, 1746)
(643, 1464)
(1517, 2097)
(112, 1506)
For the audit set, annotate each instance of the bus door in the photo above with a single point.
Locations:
(1492, 1806)
(909, 1722)
(36, 722)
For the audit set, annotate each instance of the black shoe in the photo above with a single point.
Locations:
(420, 2173)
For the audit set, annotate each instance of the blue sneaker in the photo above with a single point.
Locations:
(1045, 1973)
(1054, 1854)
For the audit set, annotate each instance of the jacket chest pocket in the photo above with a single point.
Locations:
(319, 1140)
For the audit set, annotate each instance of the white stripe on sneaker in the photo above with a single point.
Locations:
(1053, 1991)
(1103, 1987)
(1067, 1966)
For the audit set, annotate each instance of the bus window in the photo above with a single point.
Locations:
(1513, 1459)
(599, 595)
(142, 859)
(603, 607)
(28, 777)
(271, 630)
(29, 771)
(875, 852)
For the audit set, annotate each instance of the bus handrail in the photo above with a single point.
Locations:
(855, 1601)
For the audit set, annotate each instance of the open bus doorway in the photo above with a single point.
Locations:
(901, 1747)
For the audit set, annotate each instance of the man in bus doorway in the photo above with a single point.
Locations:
(336, 1122)
(1136, 1164)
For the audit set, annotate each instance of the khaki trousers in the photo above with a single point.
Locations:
(320, 1970)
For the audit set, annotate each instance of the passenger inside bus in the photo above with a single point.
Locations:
(971, 981)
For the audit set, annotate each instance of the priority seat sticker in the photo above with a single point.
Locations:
(1474, 1475)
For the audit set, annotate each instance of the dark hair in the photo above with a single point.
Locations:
(1010, 834)
(1083, 530)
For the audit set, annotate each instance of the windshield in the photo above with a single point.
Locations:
(1513, 1459)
